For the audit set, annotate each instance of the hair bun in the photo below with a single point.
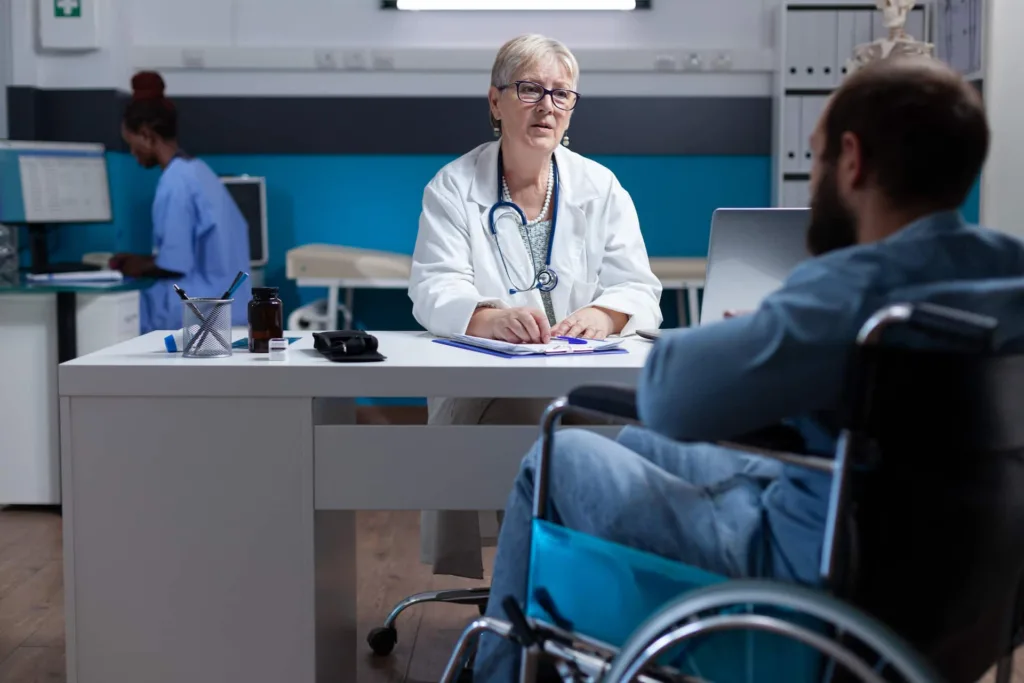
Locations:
(147, 85)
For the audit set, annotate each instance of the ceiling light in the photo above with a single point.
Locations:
(516, 4)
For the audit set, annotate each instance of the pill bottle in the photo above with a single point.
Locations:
(266, 319)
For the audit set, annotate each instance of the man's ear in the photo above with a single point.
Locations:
(850, 164)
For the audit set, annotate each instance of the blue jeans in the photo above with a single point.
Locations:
(700, 504)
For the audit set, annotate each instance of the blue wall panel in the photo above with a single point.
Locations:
(373, 201)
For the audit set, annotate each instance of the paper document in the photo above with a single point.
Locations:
(79, 276)
(555, 347)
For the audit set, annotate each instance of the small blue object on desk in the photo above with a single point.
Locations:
(572, 340)
(243, 343)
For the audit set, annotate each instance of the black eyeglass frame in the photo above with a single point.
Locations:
(544, 93)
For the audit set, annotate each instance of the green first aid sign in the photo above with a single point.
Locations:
(67, 8)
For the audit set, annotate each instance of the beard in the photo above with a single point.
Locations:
(833, 226)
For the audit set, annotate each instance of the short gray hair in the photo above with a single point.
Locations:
(521, 53)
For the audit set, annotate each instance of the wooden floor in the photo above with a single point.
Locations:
(32, 599)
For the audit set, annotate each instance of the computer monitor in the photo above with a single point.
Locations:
(48, 183)
(53, 182)
(750, 254)
(250, 193)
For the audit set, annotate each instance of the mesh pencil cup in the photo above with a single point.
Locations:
(206, 328)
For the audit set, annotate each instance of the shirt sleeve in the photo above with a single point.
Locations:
(175, 219)
(785, 360)
(441, 283)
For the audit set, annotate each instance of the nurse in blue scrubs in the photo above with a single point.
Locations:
(200, 238)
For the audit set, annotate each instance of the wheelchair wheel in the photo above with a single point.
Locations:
(833, 639)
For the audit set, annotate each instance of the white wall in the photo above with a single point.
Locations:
(152, 33)
(6, 59)
(1002, 202)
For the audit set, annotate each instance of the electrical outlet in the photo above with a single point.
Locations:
(325, 59)
(693, 62)
(193, 59)
(383, 61)
(722, 62)
(356, 59)
(665, 63)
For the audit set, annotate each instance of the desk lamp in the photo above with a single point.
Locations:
(898, 43)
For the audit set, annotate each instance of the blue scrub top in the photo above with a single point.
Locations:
(198, 231)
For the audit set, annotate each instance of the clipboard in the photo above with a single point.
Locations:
(499, 354)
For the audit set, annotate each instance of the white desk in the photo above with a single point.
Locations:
(209, 505)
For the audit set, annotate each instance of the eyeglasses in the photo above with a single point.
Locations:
(531, 93)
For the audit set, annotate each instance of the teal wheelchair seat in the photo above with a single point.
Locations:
(621, 587)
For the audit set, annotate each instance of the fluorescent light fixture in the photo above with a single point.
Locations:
(516, 4)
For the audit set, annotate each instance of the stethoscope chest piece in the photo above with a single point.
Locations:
(547, 279)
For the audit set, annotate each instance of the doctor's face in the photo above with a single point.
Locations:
(540, 124)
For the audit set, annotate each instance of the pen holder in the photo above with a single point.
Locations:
(206, 328)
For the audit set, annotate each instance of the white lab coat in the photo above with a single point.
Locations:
(598, 251)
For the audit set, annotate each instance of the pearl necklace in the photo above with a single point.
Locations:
(507, 196)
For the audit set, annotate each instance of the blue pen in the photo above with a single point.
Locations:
(572, 340)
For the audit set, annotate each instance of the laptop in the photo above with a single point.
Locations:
(750, 254)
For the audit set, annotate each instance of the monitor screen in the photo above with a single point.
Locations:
(750, 254)
(249, 192)
(53, 182)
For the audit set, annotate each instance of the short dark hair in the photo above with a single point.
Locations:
(149, 107)
(922, 130)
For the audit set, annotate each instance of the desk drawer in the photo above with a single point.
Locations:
(418, 467)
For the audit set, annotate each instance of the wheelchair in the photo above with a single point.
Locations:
(922, 560)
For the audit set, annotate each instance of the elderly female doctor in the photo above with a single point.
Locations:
(521, 240)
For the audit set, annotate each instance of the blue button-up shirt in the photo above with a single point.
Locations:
(787, 360)
(198, 231)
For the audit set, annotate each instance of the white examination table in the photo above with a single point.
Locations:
(338, 268)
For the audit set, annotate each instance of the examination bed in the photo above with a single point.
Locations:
(341, 269)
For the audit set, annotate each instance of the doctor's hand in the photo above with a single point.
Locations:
(590, 323)
(520, 325)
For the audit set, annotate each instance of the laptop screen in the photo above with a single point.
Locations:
(750, 254)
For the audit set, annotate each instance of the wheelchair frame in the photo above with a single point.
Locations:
(600, 662)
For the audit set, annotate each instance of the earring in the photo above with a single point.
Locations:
(497, 132)
(565, 141)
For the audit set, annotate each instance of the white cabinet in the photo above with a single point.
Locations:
(819, 37)
(796, 194)
(792, 146)
(811, 108)
(960, 37)
(106, 319)
(29, 429)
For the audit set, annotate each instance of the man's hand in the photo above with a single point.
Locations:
(520, 325)
(590, 323)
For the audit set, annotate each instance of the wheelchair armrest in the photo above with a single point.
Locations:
(606, 399)
(971, 329)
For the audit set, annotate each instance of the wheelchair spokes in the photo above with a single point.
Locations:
(779, 632)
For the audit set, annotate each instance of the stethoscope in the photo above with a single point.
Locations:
(546, 279)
